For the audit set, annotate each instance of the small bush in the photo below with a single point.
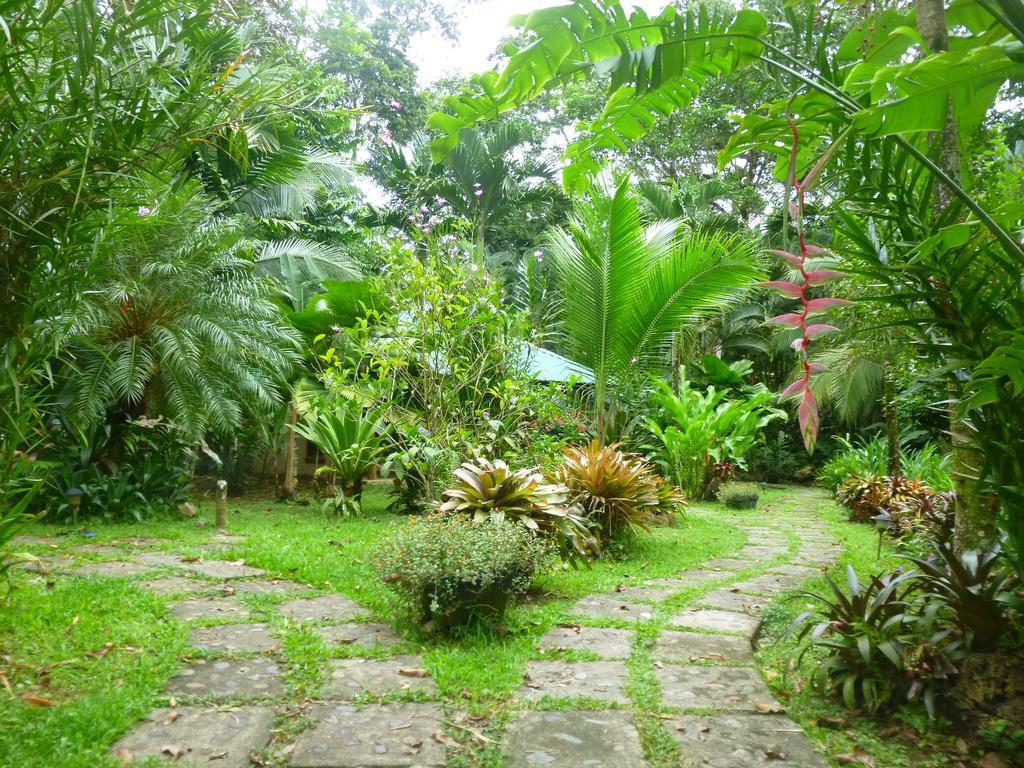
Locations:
(907, 506)
(871, 457)
(731, 493)
(453, 571)
(619, 492)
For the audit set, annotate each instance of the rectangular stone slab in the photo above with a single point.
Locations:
(110, 569)
(210, 608)
(159, 560)
(769, 584)
(743, 741)
(265, 587)
(256, 678)
(647, 594)
(610, 607)
(602, 680)
(367, 635)
(223, 738)
(796, 570)
(731, 563)
(735, 689)
(727, 600)
(717, 621)
(573, 739)
(385, 736)
(233, 638)
(324, 608)
(170, 585)
(350, 678)
(223, 569)
(695, 646)
(606, 642)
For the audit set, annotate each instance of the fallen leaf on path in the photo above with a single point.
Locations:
(99, 653)
(170, 718)
(858, 756)
(443, 738)
(413, 672)
(172, 750)
(771, 707)
(123, 755)
(35, 700)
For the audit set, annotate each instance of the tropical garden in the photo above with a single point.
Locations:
(655, 385)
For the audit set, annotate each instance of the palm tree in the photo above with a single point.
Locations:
(178, 325)
(628, 287)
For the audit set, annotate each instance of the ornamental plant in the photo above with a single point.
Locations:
(487, 490)
(811, 308)
(619, 492)
(453, 571)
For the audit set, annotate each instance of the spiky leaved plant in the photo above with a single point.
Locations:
(488, 490)
(619, 491)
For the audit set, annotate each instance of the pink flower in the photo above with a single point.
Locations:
(476, 185)
(144, 210)
(478, 192)
(386, 138)
(397, 104)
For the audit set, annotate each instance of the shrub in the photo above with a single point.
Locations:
(619, 492)
(349, 437)
(490, 489)
(453, 571)
(735, 493)
(871, 457)
(699, 429)
(905, 505)
(974, 589)
(863, 636)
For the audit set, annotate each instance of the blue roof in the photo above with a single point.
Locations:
(545, 365)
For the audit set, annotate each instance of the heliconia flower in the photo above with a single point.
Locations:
(819, 276)
(819, 329)
(814, 250)
(144, 210)
(790, 320)
(786, 288)
(796, 388)
(791, 258)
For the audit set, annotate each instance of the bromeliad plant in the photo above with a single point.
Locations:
(904, 506)
(974, 588)
(487, 490)
(862, 636)
(618, 491)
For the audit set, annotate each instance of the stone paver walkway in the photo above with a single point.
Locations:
(378, 706)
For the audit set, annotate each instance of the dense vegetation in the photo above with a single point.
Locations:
(643, 258)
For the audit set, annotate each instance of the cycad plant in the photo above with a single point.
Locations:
(177, 325)
(628, 286)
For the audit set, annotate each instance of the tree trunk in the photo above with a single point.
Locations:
(288, 486)
(892, 424)
(975, 522)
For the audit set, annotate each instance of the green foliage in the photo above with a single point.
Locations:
(900, 506)
(656, 66)
(627, 288)
(489, 489)
(438, 564)
(973, 587)
(732, 492)
(877, 651)
(870, 457)
(619, 492)
(697, 429)
(177, 325)
(348, 435)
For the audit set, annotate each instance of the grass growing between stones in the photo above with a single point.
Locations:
(477, 673)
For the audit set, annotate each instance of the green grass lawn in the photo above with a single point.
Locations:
(102, 649)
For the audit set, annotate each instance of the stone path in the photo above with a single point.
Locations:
(637, 649)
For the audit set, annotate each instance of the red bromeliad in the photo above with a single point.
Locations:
(808, 409)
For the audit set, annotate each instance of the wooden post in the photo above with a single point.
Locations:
(222, 506)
